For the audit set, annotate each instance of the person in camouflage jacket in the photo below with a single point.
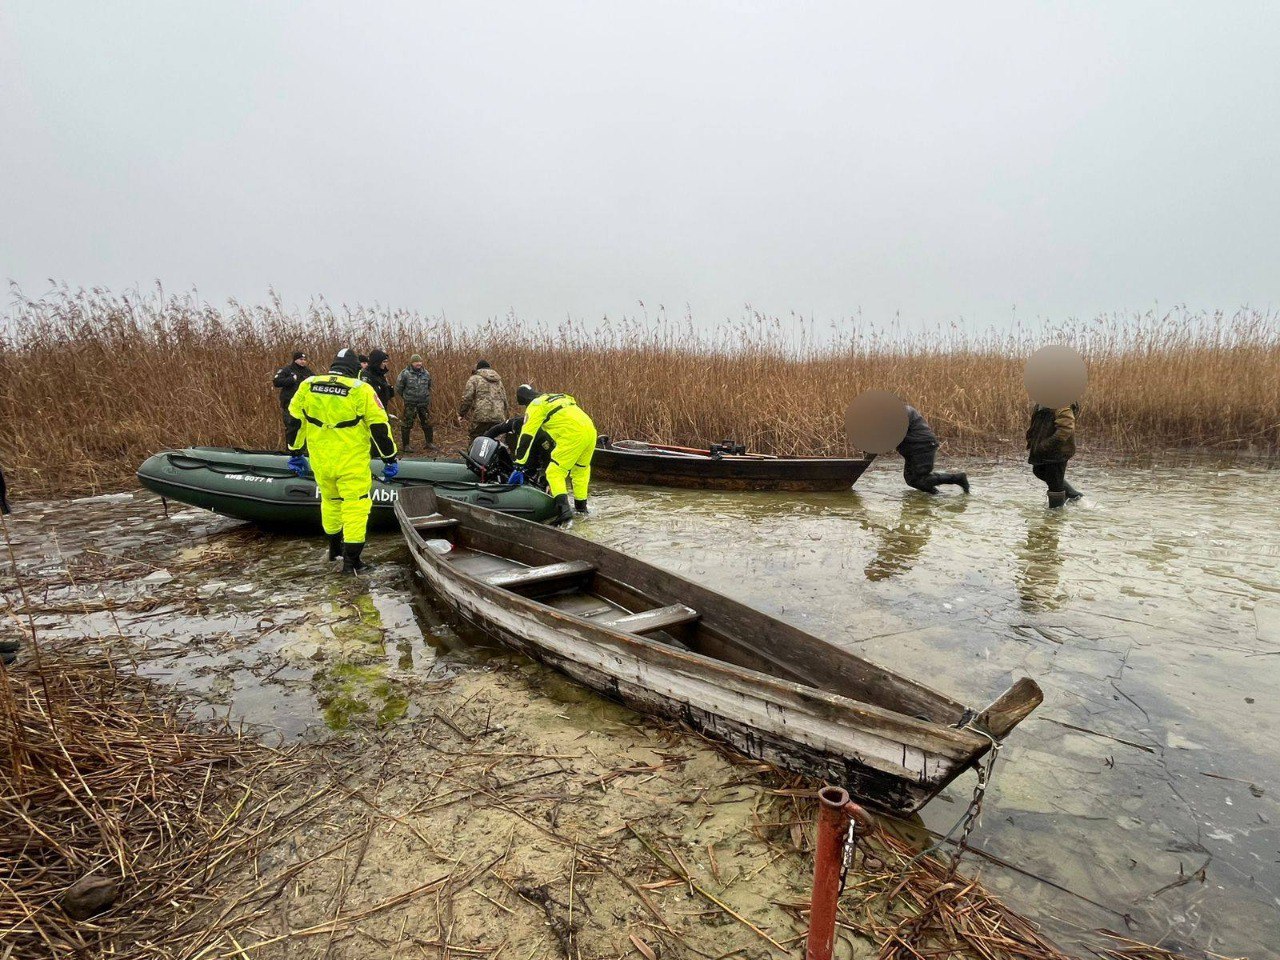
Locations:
(484, 400)
(414, 387)
(1051, 442)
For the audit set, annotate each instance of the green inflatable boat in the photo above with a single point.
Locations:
(258, 485)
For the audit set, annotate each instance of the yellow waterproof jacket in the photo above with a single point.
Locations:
(340, 418)
(560, 416)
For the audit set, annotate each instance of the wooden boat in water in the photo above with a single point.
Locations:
(720, 467)
(663, 644)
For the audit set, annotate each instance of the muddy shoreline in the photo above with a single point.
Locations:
(254, 628)
(472, 803)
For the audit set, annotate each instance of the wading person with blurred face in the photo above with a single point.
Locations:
(1051, 442)
(287, 380)
(919, 448)
(338, 419)
(414, 387)
(574, 438)
(484, 400)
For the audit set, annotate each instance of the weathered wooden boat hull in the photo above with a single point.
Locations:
(794, 474)
(767, 691)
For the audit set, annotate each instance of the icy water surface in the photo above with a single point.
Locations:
(1146, 785)
(1149, 781)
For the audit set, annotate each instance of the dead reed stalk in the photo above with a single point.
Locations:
(124, 823)
(91, 383)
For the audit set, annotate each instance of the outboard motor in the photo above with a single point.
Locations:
(718, 450)
(487, 461)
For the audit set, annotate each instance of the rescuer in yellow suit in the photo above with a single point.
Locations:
(339, 420)
(574, 436)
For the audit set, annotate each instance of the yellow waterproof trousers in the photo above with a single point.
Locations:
(345, 502)
(571, 456)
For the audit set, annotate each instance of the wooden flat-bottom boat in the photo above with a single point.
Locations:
(662, 465)
(663, 644)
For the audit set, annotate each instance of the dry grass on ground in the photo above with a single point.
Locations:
(91, 383)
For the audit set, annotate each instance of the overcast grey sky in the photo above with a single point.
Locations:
(940, 161)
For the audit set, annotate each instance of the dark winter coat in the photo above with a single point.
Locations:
(414, 387)
(287, 379)
(376, 377)
(920, 437)
(1051, 437)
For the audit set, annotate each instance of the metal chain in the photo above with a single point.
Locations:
(974, 813)
(969, 819)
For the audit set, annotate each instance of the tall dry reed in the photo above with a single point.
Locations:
(92, 382)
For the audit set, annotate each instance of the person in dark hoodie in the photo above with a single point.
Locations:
(287, 380)
(918, 449)
(1051, 442)
(374, 374)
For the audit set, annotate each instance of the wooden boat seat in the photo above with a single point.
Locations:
(436, 522)
(651, 621)
(546, 575)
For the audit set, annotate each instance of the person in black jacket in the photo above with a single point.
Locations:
(374, 374)
(4, 499)
(918, 449)
(287, 380)
(508, 430)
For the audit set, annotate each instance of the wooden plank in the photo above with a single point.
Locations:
(538, 576)
(1010, 708)
(435, 523)
(651, 621)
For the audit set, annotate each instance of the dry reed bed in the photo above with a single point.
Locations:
(92, 382)
(111, 800)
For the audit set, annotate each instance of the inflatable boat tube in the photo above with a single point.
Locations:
(258, 485)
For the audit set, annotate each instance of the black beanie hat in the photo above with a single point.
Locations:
(299, 354)
(346, 363)
(483, 365)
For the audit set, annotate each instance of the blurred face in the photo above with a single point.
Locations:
(417, 364)
(301, 361)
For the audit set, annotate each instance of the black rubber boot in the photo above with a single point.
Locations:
(961, 480)
(564, 512)
(580, 506)
(1057, 498)
(351, 562)
(335, 547)
(431, 437)
(8, 651)
(1072, 492)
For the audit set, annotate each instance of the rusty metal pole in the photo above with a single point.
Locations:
(835, 819)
